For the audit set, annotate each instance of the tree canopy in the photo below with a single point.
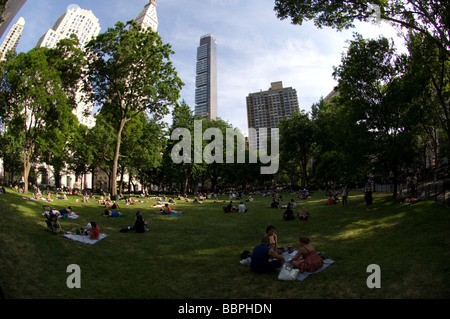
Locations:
(130, 73)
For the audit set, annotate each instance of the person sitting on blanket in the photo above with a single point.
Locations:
(265, 259)
(165, 211)
(306, 259)
(114, 213)
(94, 233)
(273, 239)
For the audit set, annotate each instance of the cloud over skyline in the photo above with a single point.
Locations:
(254, 47)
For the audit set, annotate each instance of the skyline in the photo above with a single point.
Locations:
(254, 47)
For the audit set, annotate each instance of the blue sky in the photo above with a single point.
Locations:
(254, 48)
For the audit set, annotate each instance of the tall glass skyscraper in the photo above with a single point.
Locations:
(206, 78)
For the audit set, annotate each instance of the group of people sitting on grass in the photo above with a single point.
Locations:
(302, 214)
(401, 198)
(232, 208)
(333, 197)
(268, 257)
(92, 230)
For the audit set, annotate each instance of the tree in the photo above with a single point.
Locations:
(101, 140)
(428, 73)
(36, 99)
(370, 78)
(2, 8)
(143, 142)
(10, 151)
(430, 18)
(182, 118)
(343, 142)
(297, 145)
(129, 73)
(80, 155)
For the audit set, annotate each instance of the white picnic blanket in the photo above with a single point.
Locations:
(85, 239)
(301, 276)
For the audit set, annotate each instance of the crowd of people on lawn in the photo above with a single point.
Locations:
(237, 203)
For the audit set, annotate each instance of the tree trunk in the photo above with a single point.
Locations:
(186, 180)
(122, 173)
(26, 167)
(116, 159)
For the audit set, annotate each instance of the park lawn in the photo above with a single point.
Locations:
(197, 255)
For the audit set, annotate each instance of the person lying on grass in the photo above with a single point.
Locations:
(169, 211)
(108, 213)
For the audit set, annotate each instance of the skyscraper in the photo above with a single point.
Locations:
(206, 78)
(266, 108)
(148, 17)
(12, 39)
(83, 23)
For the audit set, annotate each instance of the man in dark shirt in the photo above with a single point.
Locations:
(261, 256)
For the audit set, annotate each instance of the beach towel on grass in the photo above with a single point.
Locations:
(85, 239)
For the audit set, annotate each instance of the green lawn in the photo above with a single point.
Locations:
(197, 255)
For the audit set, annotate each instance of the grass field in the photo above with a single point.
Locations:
(196, 255)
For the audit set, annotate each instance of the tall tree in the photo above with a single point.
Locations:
(182, 118)
(36, 99)
(370, 79)
(143, 142)
(428, 17)
(343, 142)
(428, 73)
(297, 145)
(130, 73)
